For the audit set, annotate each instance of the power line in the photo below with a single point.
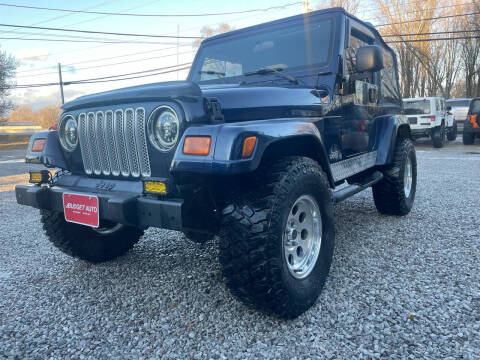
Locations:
(132, 73)
(118, 56)
(91, 81)
(133, 77)
(433, 33)
(111, 77)
(433, 39)
(61, 16)
(101, 32)
(149, 15)
(87, 41)
(416, 11)
(99, 59)
(428, 19)
(111, 64)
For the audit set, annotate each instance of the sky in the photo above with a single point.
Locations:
(38, 60)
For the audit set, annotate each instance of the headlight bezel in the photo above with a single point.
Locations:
(159, 143)
(66, 145)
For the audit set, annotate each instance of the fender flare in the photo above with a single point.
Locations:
(52, 154)
(386, 130)
(227, 140)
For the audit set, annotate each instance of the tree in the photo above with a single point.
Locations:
(21, 114)
(8, 65)
(350, 5)
(470, 51)
(47, 116)
(208, 31)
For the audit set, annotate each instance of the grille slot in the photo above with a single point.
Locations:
(114, 142)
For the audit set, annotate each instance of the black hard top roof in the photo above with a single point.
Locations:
(302, 16)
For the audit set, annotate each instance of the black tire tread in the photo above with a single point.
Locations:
(468, 138)
(438, 137)
(250, 264)
(388, 194)
(452, 133)
(83, 243)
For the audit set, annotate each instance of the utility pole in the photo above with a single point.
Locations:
(60, 81)
(178, 45)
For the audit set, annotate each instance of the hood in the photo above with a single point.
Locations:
(140, 93)
(241, 103)
(238, 103)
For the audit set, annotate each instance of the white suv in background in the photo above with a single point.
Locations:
(459, 110)
(430, 117)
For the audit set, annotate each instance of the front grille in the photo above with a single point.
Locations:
(114, 142)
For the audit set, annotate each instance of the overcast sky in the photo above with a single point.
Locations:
(38, 59)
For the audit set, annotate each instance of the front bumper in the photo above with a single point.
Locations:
(122, 207)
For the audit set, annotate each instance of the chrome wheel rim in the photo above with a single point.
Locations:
(407, 177)
(302, 238)
(107, 230)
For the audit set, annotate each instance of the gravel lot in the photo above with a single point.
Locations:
(399, 287)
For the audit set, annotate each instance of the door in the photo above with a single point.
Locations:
(359, 101)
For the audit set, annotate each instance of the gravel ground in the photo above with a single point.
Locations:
(400, 287)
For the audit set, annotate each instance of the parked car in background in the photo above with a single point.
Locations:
(459, 109)
(471, 128)
(430, 117)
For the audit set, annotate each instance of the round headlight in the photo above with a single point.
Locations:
(68, 133)
(164, 128)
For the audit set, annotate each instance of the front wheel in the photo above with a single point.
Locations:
(93, 245)
(468, 138)
(452, 132)
(277, 241)
(395, 193)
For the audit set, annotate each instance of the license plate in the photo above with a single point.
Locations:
(412, 120)
(81, 209)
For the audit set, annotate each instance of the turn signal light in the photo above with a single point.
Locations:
(197, 145)
(38, 145)
(154, 187)
(39, 177)
(473, 121)
(248, 146)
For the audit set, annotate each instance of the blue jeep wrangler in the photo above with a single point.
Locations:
(275, 124)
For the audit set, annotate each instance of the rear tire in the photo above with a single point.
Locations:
(84, 242)
(393, 195)
(468, 138)
(452, 133)
(255, 241)
(438, 136)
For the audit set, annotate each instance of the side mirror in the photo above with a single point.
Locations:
(369, 58)
(449, 108)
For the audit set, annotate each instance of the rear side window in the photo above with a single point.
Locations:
(475, 106)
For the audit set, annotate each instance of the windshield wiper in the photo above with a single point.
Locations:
(212, 72)
(276, 71)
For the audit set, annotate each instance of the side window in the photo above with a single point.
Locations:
(356, 42)
(437, 105)
(389, 89)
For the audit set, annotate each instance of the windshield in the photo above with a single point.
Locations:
(416, 107)
(282, 48)
(458, 103)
